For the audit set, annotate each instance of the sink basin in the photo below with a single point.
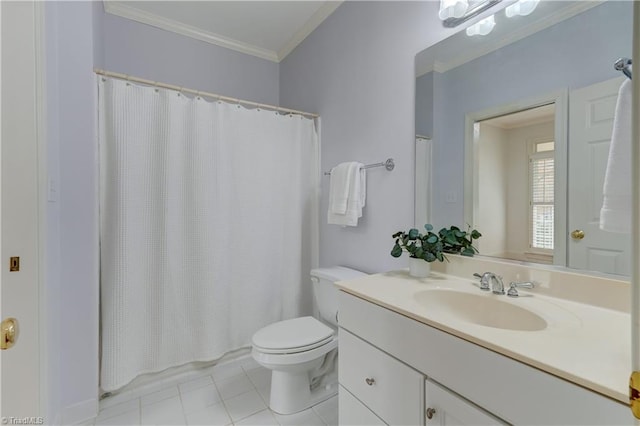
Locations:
(482, 309)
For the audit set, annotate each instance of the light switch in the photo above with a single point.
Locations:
(52, 191)
(451, 197)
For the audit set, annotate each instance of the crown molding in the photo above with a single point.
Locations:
(126, 11)
(316, 19)
(523, 32)
(167, 24)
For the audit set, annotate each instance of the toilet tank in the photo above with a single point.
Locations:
(326, 294)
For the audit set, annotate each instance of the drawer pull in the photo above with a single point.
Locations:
(430, 413)
(370, 381)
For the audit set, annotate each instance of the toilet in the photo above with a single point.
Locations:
(302, 352)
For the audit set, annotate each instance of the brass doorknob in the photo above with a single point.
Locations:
(430, 413)
(578, 234)
(9, 333)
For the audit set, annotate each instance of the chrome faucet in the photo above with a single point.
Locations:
(513, 288)
(491, 281)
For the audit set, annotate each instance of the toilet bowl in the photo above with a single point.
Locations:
(302, 352)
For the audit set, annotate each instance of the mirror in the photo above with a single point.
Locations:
(517, 126)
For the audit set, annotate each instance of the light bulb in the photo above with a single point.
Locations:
(452, 8)
(483, 27)
(521, 7)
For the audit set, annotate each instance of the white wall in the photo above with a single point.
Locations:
(492, 190)
(357, 70)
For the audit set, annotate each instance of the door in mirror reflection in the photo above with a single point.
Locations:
(591, 113)
(516, 178)
(515, 203)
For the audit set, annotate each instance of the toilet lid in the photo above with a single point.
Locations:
(293, 333)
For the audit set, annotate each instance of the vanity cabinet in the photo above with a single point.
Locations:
(412, 366)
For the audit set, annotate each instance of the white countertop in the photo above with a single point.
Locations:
(584, 344)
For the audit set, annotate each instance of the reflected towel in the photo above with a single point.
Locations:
(615, 215)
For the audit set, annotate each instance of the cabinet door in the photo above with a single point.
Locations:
(354, 412)
(393, 391)
(448, 409)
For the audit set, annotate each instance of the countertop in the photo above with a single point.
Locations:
(584, 344)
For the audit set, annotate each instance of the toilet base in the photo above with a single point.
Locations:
(290, 393)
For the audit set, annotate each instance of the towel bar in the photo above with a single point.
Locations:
(389, 165)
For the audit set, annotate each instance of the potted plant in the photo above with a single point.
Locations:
(456, 241)
(422, 248)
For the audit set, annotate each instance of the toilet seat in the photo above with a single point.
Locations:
(292, 336)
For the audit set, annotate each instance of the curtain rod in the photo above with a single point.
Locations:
(201, 93)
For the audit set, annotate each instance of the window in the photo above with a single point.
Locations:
(541, 211)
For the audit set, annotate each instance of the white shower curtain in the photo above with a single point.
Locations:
(208, 226)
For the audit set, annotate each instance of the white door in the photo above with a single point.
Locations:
(19, 226)
(591, 111)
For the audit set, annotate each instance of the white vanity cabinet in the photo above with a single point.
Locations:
(393, 368)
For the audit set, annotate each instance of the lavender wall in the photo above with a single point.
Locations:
(357, 71)
(72, 237)
(145, 51)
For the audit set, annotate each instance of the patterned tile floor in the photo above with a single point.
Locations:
(232, 393)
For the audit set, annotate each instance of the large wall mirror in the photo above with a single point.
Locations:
(517, 126)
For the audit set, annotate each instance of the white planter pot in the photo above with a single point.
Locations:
(419, 268)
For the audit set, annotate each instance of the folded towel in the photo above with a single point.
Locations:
(615, 215)
(356, 196)
(341, 178)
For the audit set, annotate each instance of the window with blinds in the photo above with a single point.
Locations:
(541, 179)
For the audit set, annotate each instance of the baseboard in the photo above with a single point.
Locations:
(80, 412)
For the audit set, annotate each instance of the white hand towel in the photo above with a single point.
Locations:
(339, 186)
(355, 200)
(615, 215)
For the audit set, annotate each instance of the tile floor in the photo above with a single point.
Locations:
(233, 393)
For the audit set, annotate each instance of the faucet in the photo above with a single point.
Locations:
(491, 281)
(513, 288)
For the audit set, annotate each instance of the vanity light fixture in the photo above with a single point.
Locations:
(483, 27)
(521, 7)
(455, 12)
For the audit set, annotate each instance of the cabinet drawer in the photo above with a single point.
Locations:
(388, 387)
(353, 412)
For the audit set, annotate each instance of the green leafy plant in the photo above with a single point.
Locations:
(457, 241)
(428, 246)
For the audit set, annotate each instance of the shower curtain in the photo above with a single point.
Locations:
(208, 226)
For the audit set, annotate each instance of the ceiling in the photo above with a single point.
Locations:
(266, 29)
